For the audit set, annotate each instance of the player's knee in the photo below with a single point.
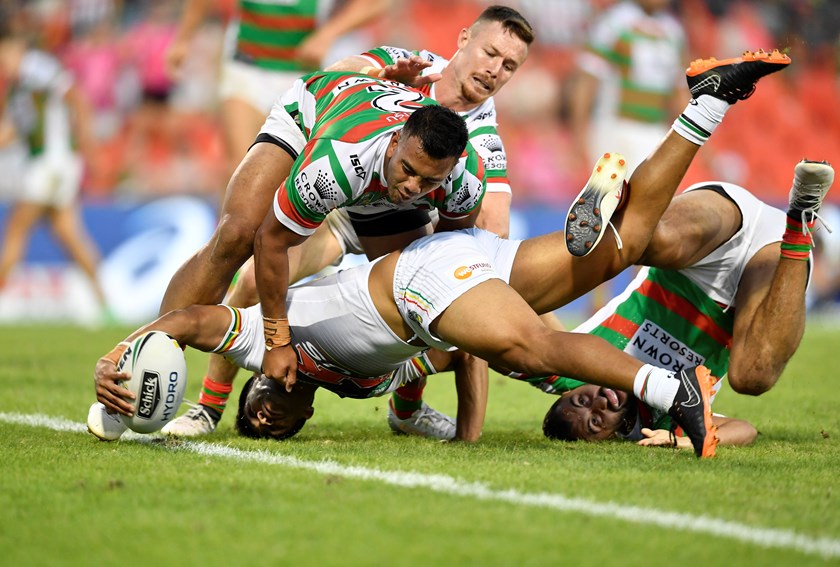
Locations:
(750, 384)
(527, 354)
(234, 238)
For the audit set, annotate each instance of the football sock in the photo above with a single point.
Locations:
(797, 240)
(214, 395)
(408, 399)
(700, 118)
(655, 386)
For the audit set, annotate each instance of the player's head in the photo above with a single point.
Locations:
(422, 154)
(489, 52)
(267, 410)
(590, 413)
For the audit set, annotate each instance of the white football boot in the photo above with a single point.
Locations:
(195, 423)
(425, 422)
(103, 425)
(811, 182)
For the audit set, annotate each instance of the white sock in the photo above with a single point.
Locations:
(656, 386)
(700, 118)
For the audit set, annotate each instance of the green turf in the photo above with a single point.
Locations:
(67, 499)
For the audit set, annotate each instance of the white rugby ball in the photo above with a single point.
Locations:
(158, 373)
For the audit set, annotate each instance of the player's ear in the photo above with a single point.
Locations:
(463, 38)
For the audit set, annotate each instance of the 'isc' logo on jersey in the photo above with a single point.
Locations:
(357, 166)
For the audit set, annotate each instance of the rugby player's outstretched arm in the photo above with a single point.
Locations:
(202, 327)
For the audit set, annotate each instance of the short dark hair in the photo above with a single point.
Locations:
(512, 22)
(555, 425)
(442, 132)
(244, 426)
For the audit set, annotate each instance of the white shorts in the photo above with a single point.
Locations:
(342, 343)
(257, 86)
(52, 180)
(719, 273)
(433, 272)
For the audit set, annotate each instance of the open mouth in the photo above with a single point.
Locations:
(614, 400)
(482, 85)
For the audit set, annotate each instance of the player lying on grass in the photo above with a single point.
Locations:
(359, 332)
(689, 125)
(490, 51)
(726, 289)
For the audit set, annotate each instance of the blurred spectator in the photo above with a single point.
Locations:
(49, 114)
(274, 43)
(630, 81)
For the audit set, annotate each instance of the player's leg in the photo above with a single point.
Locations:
(693, 226)
(70, 231)
(770, 315)
(491, 321)
(241, 121)
(205, 277)
(495, 213)
(19, 225)
(540, 268)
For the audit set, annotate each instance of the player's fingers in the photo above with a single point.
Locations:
(291, 378)
(427, 79)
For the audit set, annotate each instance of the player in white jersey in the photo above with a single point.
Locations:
(50, 115)
(719, 294)
(489, 53)
(437, 294)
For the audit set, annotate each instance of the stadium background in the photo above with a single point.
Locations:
(150, 196)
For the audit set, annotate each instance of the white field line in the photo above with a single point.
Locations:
(764, 537)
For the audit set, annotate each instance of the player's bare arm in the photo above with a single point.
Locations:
(271, 257)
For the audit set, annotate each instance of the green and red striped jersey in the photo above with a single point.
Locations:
(348, 120)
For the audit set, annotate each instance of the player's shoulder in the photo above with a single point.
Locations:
(482, 116)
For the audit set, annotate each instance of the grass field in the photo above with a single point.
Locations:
(347, 492)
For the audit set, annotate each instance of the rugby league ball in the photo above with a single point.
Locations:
(158, 373)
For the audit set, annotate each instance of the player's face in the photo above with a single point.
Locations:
(273, 411)
(410, 172)
(487, 58)
(595, 413)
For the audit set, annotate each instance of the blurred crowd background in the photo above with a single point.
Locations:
(157, 136)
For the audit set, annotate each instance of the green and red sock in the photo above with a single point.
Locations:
(408, 399)
(214, 395)
(797, 240)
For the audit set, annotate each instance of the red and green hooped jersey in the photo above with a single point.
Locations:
(481, 120)
(348, 120)
(270, 31)
(647, 52)
(663, 319)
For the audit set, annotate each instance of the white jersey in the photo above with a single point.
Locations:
(343, 344)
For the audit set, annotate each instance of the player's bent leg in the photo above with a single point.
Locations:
(205, 277)
(590, 213)
(491, 321)
(320, 250)
(424, 420)
(715, 86)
